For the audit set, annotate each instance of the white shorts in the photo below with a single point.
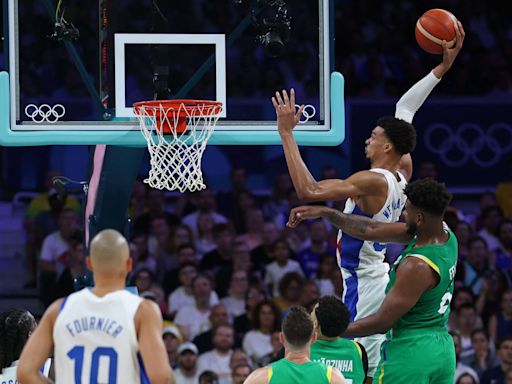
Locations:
(363, 294)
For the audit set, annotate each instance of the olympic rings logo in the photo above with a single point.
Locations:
(45, 113)
(308, 112)
(469, 141)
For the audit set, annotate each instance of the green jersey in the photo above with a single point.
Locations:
(285, 371)
(433, 307)
(345, 355)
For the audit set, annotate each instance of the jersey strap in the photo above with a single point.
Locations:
(329, 374)
(428, 261)
(358, 348)
(270, 372)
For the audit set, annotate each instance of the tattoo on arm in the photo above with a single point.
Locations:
(354, 225)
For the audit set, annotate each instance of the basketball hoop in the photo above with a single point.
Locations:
(177, 132)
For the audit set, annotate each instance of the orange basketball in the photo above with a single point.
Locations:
(433, 27)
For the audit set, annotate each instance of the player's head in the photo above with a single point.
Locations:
(390, 137)
(297, 330)
(331, 317)
(16, 325)
(109, 255)
(426, 203)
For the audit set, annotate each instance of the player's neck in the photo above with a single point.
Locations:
(298, 357)
(385, 163)
(434, 234)
(322, 337)
(103, 287)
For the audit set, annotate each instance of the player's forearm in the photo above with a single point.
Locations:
(355, 225)
(367, 326)
(414, 98)
(303, 182)
(35, 377)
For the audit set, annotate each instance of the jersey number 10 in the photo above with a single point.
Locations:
(77, 354)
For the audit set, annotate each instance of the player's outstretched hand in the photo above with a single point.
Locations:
(304, 212)
(450, 54)
(287, 116)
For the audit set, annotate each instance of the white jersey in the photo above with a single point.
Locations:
(95, 339)
(360, 259)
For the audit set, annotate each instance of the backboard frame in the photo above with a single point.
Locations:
(125, 131)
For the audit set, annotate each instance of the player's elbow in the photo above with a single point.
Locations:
(24, 374)
(310, 194)
(162, 376)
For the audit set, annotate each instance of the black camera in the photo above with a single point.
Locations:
(272, 23)
(64, 31)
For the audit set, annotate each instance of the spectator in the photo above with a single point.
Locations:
(484, 357)
(290, 289)
(466, 322)
(205, 240)
(183, 295)
(55, 253)
(310, 295)
(309, 258)
(172, 339)
(221, 256)
(75, 267)
(237, 178)
(160, 246)
(262, 256)
(281, 266)
(185, 254)
(426, 169)
(143, 280)
(240, 373)
(218, 316)
(323, 276)
(205, 201)
(255, 295)
(476, 264)
(461, 368)
(235, 301)
(277, 347)
(504, 251)
(194, 319)
(464, 233)
(497, 374)
(491, 219)
(466, 378)
(137, 206)
(500, 324)
(187, 372)
(140, 254)
(208, 377)
(156, 208)
(257, 342)
(278, 204)
(218, 359)
(489, 300)
(244, 203)
(254, 221)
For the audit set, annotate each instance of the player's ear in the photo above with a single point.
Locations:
(388, 147)
(129, 264)
(314, 337)
(281, 338)
(88, 263)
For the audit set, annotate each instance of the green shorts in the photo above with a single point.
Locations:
(417, 357)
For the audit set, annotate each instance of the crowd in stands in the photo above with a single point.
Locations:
(224, 269)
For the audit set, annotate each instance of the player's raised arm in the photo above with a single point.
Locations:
(38, 348)
(414, 98)
(148, 321)
(357, 226)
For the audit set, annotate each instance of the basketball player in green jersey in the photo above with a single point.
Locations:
(414, 314)
(331, 318)
(296, 368)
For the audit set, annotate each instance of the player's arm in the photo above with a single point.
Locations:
(356, 226)
(259, 376)
(414, 98)
(413, 278)
(307, 188)
(337, 377)
(148, 320)
(38, 348)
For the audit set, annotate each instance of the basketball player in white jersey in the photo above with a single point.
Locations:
(376, 193)
(100, 335)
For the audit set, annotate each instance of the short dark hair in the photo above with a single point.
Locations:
(503, 340)
(209, 376)
(465, 306)
(482, 331)
(219, 229)
(297, 327)
(287, 280)
(186, 246)
(401, 133)
(332, 315)
(477, 239)
(15, 327)
(428, 195)
(488, 210)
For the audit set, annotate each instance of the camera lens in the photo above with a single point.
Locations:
(274, 46)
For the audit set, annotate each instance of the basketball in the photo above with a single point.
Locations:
(433, 27)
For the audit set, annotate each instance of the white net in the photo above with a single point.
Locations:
(176, 156)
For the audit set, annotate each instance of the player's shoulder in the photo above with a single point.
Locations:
(260, 376)
(369, 178)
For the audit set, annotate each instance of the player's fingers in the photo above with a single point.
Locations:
(299, 112)
(461, 28)
(292, 97)
(274, 102)
(279, 99)
(286, 98)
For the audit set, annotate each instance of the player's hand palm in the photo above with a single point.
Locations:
(287, 116)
